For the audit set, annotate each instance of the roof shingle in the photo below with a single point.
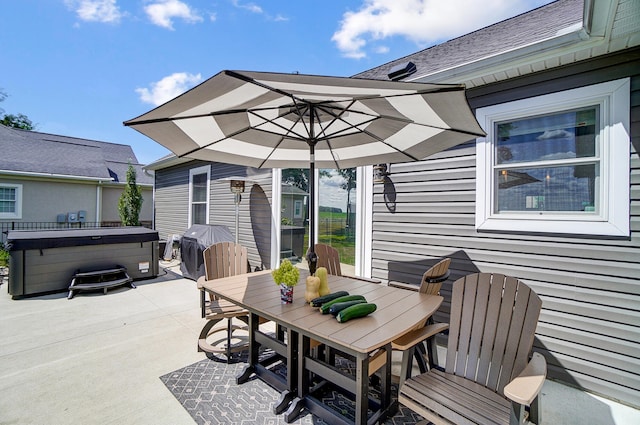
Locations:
(528, 28)
(35, 152)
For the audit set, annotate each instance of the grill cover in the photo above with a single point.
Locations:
(195, 240)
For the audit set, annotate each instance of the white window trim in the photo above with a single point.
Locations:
(364, 220)
(18, 214)
(192, 172)
(614, 100)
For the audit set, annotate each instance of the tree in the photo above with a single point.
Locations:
(298, 177)
(130, 201)
(16, 121)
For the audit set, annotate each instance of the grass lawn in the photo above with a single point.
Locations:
(332, 231)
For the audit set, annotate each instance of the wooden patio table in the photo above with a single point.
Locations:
(398, 312)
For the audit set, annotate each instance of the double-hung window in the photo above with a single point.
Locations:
(556, 163)
(199, 195)
(10, 201)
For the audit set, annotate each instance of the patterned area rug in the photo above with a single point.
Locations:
(208, 391)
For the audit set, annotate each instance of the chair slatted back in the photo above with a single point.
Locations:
(329, 258)
(432, 279)
(225, 259)
(492, 326)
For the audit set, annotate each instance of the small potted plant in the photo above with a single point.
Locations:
(286, 276)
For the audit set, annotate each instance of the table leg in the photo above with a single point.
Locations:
(385, 392)
(362, 388)
(303, 380)
(292, 374)
(253, 350)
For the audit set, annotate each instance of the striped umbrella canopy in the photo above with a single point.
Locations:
(273, 120)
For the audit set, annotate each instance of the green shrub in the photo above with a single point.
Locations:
(4, 257)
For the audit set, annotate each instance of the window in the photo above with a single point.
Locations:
(199, 195)
(297, 209)
(10, 201)
(557, 163)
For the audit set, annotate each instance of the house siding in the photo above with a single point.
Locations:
(589, 328)
(172, 204)
(111, 196)
(43, 200)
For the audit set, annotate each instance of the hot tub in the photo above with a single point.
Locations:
(43, 261)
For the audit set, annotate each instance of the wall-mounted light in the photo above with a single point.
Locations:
(380, 172)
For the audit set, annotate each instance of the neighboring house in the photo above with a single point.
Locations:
(551, 195)
(294, 205)
(47, 180)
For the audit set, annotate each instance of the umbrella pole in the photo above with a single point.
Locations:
(312, 258)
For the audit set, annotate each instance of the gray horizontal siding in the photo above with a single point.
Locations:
(589, 328)
(172, 203)
(171, 200)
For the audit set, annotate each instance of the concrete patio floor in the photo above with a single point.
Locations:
(97, 359)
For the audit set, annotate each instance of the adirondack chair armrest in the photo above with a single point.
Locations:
(416, 336)
(200, 283)
(526, 386)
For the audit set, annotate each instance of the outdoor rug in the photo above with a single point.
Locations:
(208, 391)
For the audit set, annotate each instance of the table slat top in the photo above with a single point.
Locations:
(398, 310)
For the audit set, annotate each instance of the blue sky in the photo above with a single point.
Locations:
(82, 67)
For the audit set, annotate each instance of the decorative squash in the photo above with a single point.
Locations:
(321, 272)
(311, 292)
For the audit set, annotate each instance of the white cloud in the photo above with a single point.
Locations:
(554, 134)
(96, 10)
(251, 7)
(168, 88)
(254, 8)
(424, 22)
(163, 12)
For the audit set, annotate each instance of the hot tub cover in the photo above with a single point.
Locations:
(59, 238)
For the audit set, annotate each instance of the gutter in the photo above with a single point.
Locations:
(98, 180)
(56, 176)
(576, 36)
(166, 162)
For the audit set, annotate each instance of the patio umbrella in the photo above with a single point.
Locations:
(272, 120)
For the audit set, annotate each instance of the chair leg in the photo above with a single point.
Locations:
(518, 413)
(421, 355)
(202, 304)
(535, 412)
(432, 352)
(229, 331)
(407, 365)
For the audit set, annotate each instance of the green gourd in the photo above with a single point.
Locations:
(358, 310)
(324, 309)
(317, 302)
(336, 308)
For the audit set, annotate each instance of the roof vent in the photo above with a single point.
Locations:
(402, 70)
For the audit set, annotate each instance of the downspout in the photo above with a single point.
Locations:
(99, 202)
(152, 174)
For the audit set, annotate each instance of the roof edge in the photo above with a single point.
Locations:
(573, 36)
(166, 162)
(58, 176)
